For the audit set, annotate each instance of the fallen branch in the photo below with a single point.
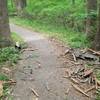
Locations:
(74, 80)
(95, 52)
(93, 87)
(80, 90)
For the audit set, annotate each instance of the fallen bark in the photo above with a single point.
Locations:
(87, 73)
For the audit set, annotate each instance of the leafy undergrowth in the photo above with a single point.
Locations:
(9, 54)
(68, 36)
(98, 94)
(98, 90)
(6, 87)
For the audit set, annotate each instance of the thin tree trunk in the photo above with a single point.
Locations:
(97, 37)
(4, 23)
(91, 19)
(20, 5)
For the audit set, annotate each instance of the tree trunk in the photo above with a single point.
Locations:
(20, 5)
(97, 37)
(91, 18)
(4, 23)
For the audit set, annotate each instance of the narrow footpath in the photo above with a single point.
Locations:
(40, 70)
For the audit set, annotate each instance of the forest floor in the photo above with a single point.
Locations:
(42, 70)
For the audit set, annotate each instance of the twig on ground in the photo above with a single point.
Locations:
(67, 91)
(80, 90)
(35, 93)
(93, 87)
(74, 57)
(74, 80)
(28, 49)
(95, 52)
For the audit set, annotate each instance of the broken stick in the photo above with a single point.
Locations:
(74, 80)
(28, 49)
(95, 52)
(80, 90)
(74, 57)
(35, 93)
(67, 91)
(93, 87)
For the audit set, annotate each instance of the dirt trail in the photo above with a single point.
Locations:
(40, 70)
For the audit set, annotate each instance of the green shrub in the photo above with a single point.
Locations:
(3, 77)
(9, 54)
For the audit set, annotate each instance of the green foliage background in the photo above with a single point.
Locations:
(56, 18)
